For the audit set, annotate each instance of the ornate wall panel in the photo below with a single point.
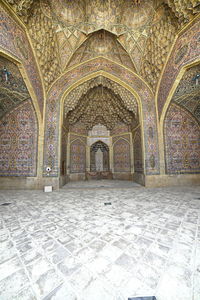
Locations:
(137, 150)
(182, 141)
(158, 44)
(18, 142)
(64, 151)
(69, 78)
(77, 156)
(124, 136)
(13, 90)
(187, 93)
(121, 156)
(14, 40)
(185, 51)
(78, 128)
(43, 36)
(120, 128)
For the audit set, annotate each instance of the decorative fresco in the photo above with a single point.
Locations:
(77, 156)
(121, 156)
(14, 40)
(13, 90)
(182, 141)
(18, 142)
(137, 151)
(187, 93)
(134, 82)
(185, 51)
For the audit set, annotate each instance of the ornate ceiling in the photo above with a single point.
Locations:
(72, 99)
(102, 43)
(187, 93)
(100, 106)
(145, 29)
(103, 101)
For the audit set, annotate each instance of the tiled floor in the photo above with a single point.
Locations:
(69, 245)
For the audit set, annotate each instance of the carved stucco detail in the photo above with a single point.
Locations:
(74, 96)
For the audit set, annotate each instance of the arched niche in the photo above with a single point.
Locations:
(99, 157)
(82, 73)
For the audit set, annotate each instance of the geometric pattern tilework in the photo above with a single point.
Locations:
(120, 128)
(12, 87)
(121, 156)
(185, 51)
(18, 142)
(86, 69)
(77, 156)
(182, 141)
(187, 93)
(137, 151)
(63, 151)
(78, 128)
(14, 40)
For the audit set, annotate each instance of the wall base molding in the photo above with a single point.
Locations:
(172, 180)
(38, 183)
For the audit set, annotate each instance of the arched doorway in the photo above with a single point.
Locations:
(99, 157)
(104, 117)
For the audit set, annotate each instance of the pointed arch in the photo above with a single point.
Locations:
(117, 73)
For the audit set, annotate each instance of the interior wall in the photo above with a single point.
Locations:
(18, 142)
(121, 156)
(137, 151)
(63, 169)
(77, 155)
(18, 124)
(14, 41)
(182, 141)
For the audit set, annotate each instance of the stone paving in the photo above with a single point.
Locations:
(68, 245)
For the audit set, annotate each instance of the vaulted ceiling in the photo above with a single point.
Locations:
(100, 100)
(100, 106)
(140, 33)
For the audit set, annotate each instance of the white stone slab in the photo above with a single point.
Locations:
(48, 189)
